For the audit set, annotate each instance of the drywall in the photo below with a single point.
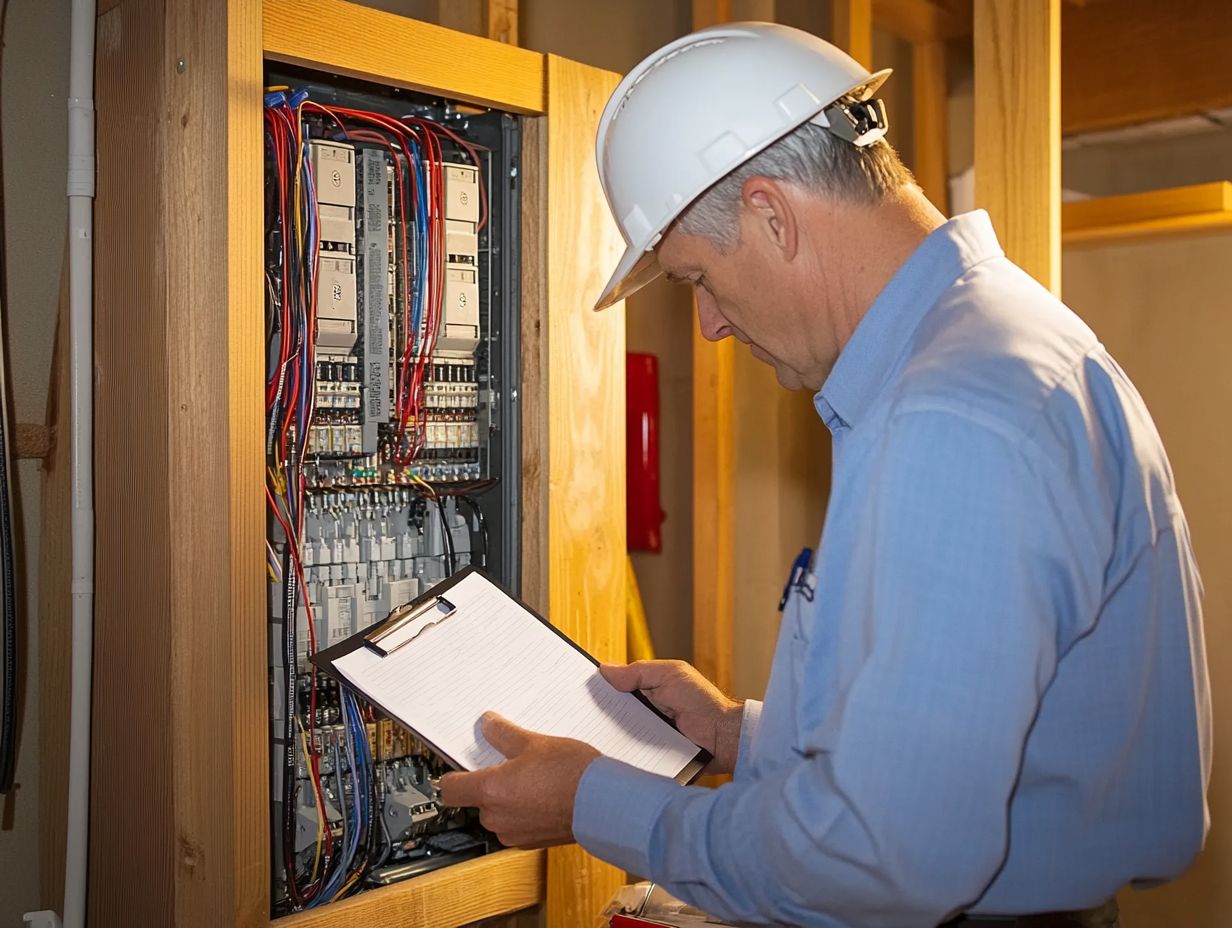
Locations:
(35, 80)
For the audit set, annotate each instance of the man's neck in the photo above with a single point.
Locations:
(875, 243)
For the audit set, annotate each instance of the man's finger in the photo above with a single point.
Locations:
(503, 735)
(640, 675)
(461, 789)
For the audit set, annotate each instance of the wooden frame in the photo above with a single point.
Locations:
(180, 794)
(714, 593)
(1175, 211)
(1018, 130)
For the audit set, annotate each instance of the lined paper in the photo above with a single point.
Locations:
(494, 655)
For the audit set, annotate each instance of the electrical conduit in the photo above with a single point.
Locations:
(81, 364)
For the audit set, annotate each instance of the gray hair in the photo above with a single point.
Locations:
(810, 157)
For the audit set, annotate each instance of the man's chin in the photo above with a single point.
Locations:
(787, 378)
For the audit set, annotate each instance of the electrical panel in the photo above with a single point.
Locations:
(392, 445)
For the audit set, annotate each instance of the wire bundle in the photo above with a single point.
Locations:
(342, 851)
(290, 405)
(417, 148)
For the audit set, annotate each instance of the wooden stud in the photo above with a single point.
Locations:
(132, 822)
(245, 649)
(713, 508)
(713, 474)
(586, 395)
(460, 15)
(501, 20)
(1157, 213)
(710, 13)
(930, 106)
(535, 365)
(213, 249)
(1018, 130)
(923, 20)
(852, 28)
(357, 41)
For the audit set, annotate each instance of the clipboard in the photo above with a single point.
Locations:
(394, 638)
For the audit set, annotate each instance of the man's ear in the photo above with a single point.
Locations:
(770, 214)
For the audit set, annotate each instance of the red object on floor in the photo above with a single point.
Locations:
(644, 515)
(634, 921)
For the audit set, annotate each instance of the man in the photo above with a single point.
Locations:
(989, 696)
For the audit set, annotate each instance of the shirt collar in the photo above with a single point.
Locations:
(870, 356)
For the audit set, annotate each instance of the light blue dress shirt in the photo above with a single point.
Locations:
(997, 699)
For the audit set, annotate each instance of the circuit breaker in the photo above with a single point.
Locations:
(392, 445)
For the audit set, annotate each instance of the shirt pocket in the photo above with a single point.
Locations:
(799, 613)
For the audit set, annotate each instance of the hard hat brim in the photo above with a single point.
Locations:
(636, 269)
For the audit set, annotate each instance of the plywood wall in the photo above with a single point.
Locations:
(1163, 310)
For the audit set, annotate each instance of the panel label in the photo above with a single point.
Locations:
(374, 246)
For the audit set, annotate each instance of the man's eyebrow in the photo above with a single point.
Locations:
(678, 278)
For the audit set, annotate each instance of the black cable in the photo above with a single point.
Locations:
(290, 681)
(8, 722)
(483, 528)
(450, 558)
(8, 725)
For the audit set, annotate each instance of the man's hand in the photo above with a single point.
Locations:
(528, 800)
(701, 712)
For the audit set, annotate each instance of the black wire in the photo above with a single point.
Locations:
(8, 723)
(290, 681)
(483, 528)
(8, 726)
(450, 560)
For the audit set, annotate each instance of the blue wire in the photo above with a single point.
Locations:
(309, 369)
(419, 294)
(356, 739)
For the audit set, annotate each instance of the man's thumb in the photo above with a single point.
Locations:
(625, 677)
(511, 740)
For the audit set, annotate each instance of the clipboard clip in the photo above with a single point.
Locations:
(428, 613)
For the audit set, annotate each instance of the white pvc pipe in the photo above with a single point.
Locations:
(81, 376)
(81, 360)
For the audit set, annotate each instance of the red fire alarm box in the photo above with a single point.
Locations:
(645, 516)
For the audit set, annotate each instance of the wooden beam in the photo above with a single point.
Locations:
(369, 44)
(713, 475)
(1018, 130)
(501, 20)
(1140, 60)
(931, 108)
(710, 13)
(586, 436)
(236, 51)
(922, 20)
(132, 823)
(509, 880)
(713, 504)
(1157, 213)
(852, 28)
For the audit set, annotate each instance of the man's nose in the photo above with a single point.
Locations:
(714, 327)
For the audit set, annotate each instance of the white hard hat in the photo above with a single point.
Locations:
(700, 107)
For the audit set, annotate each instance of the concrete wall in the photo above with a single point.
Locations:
(35, 81)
